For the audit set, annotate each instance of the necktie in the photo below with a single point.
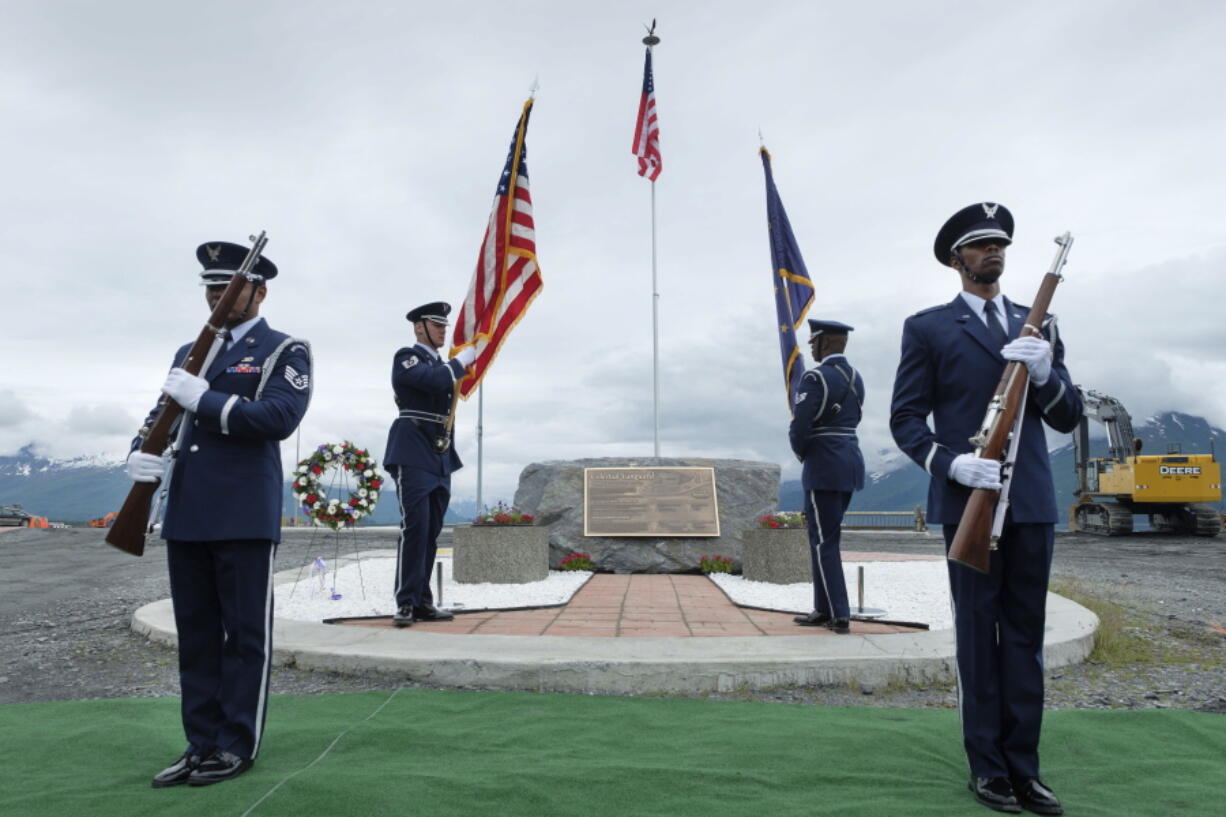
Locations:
(994, 325)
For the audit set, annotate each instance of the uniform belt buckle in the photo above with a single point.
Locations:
(441, 444)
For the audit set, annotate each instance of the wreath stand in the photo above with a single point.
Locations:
(321, 481)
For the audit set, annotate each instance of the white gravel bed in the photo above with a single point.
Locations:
(908, 591)
(365, 588)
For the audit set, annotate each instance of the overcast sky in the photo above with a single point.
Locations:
(367, 139)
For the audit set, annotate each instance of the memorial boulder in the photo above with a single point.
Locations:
(554, 493)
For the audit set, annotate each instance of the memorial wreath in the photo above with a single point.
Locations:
(334, 512)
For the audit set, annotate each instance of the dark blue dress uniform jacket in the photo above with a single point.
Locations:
(227, 482)
(423, 385)
(949, 369)
(826, 410)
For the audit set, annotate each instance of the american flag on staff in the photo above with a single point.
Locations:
(647, 129)
(507, 278)
(793, 287)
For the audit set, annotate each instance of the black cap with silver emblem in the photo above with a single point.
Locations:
(435, 312)
(221, 260)
(974, 223)
(831, 328)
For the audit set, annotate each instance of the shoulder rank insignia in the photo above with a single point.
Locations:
(298, 381)
(410, 363)
(800, 398)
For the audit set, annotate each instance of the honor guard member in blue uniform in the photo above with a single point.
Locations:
(223, 521)
(951, 362)
(421, 456)
(825, 412)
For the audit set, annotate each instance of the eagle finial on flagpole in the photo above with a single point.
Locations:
(651, 38)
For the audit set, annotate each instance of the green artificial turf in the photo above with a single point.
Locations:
(472, 754)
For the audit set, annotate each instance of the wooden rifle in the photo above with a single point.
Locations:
(977, 536)
(133, 521)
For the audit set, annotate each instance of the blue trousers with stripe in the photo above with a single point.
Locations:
(824, 517)
(423, 498)
(998, 626)
(222, 594)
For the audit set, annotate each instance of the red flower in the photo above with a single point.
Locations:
(502, 518)
(315, 469)
(353, 503)
(311, 498)
(528, 517)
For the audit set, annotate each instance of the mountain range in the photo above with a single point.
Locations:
(83, 488)
(898, 484)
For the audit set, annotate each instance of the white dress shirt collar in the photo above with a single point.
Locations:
(976, 304)
(433, 352)
(236, 334)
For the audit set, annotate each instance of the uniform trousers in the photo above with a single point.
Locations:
(824, 519)
(998, 625)
(222, 594)
(423, 499)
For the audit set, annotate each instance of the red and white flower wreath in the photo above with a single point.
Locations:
(334, 512)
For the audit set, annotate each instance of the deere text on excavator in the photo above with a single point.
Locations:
(1174, 489)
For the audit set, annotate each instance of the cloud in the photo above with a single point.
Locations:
(13, 411)
(100, 419)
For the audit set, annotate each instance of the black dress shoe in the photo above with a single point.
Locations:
(218, 767)
(428, 612)
(404, 616)
(995, 793)
(814, 619)
(1033, 795)
(842, 626)
(177, 773)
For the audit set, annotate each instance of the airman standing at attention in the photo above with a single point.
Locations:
(825, 413)
(952, 359)
(421, 457)
(223, 520)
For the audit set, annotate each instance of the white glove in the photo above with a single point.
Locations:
(144, 467)
(1035, 353)
(185, 389)
(975, 472)
(466, 356)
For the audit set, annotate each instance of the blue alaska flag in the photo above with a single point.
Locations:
(793, 289)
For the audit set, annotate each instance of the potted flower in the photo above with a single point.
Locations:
(715, 564)
(777, 551)
(577, 561)
(503, 545)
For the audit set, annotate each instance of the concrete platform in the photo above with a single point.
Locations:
(635, 634)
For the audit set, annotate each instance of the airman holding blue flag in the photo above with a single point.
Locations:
(826, 410)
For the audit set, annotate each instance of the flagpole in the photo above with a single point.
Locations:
(655, 325)
(480, 439)
(650, 41)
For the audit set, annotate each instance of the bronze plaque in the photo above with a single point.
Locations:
(650, 501)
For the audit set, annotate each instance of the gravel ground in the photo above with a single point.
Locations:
(67, 599)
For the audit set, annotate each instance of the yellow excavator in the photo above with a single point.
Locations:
(1174, 489)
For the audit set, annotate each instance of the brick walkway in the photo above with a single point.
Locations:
(652, 605)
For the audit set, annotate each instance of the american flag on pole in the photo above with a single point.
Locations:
(647, 129)
(507, 278)
(793, 287)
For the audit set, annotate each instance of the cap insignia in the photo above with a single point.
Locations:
(214, 252)
(989, 211)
